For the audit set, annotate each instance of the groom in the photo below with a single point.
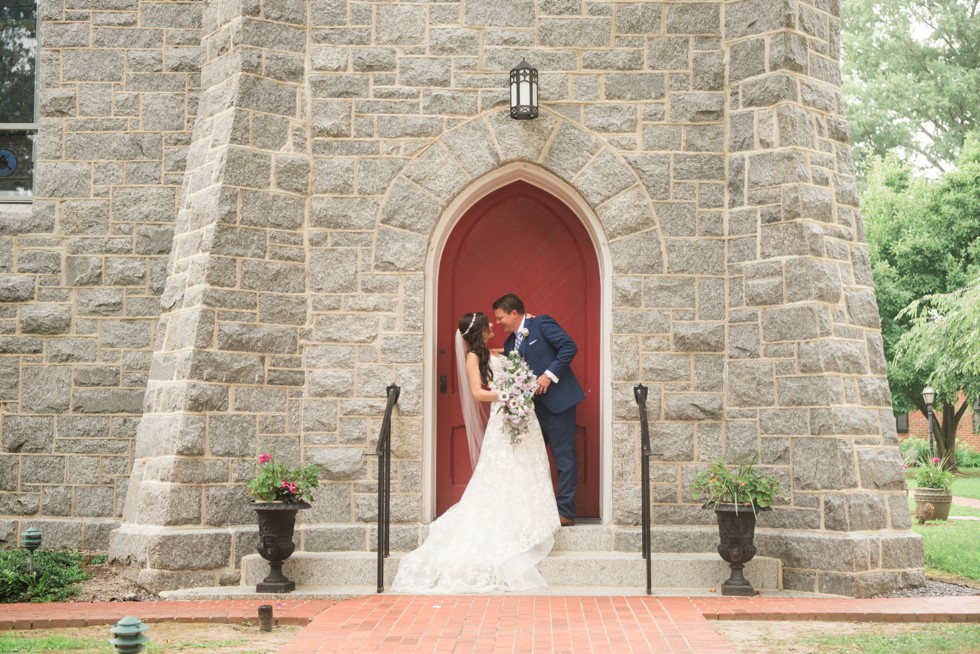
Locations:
(548, 351)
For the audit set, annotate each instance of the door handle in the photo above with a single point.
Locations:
(443, 383)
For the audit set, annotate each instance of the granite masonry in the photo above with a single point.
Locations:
(227, 253)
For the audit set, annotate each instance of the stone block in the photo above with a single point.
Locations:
(231, 435)
(823, 464)
(94, 502)
(669, 292)
(695, 256)
(639, 253)
(571, 149)
(747, 59)
(669, 53)
(627, 213)
(16, 288)
(693, 407)
(575, 32)
(227, 505)
(506, 13)
(699, 336)
(795, 126)
(45, 319)
(45, 389)
(41, 469)
(768, 90)
(751, 383)
(672, 441)
(343, 212)
(409, 207)
(699, 167)
(795, 323)
(833, 356)
(862, 309)
(654, 173)
(667, 367)
(339, 463)
(199, 550)
(788, 51)
(472, 145)
(399, 250)
(854, 512)
(758, 17)
(811, 279)
(438, 173)
(697, 107)
(881, 468)
(694, 18)
(638, 18)
(635, 86)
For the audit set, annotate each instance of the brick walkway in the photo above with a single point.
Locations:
(487, 624)
(966, 501)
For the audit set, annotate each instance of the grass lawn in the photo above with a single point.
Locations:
(953, 548)
(930, 639)
(165, 638)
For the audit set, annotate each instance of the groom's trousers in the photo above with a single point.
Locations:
(559, 434)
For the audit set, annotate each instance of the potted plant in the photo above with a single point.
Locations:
(736, 494)
(280, 492)
(932, 495)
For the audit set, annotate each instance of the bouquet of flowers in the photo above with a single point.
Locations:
(515, 388)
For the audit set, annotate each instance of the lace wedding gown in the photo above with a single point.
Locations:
(493, 538)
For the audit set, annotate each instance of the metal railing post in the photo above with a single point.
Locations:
(640, 393)
(383, 452)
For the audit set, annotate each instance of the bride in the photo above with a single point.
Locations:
(493, 538)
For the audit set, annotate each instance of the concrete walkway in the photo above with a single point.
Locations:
(487, 624)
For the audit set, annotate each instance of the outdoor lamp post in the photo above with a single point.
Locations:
(30, 540)
(524, 91)
(928, 395)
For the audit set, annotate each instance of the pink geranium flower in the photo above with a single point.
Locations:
(264, 458)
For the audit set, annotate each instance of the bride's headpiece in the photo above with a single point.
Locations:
(472, 320)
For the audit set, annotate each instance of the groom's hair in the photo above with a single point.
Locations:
(508, 303)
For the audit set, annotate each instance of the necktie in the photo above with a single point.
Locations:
(518, 341)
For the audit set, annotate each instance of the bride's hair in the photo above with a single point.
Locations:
(472, 327)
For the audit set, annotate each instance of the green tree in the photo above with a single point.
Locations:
(911, 77)
(944, 342)
(924, 246)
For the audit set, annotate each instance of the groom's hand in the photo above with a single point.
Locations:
(544, 381)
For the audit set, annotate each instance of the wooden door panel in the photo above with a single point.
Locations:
(522, 240)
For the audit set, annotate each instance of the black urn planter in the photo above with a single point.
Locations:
(737, 546)
(277, 521)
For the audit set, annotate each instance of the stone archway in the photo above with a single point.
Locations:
(433, 192)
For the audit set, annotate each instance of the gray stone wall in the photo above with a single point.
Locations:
(82, 269)
(328, 139)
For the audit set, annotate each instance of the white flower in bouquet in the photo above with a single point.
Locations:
(515, 391)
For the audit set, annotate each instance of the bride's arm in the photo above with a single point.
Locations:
(476, 384)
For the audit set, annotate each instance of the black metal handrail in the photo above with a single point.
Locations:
(383, 452)
(640, 393)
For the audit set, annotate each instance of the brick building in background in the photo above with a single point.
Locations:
(245, 218)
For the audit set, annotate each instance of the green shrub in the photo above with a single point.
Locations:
(55, 578)
(967, 457)
(915, 451)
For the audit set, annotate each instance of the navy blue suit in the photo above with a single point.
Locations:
(548, 347)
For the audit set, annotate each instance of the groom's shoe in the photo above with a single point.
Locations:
(566, 522)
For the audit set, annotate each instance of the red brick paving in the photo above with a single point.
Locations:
(489, 624)
(966, 501)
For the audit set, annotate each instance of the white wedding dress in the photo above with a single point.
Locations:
(493, 538)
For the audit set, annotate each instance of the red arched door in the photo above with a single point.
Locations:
(519, 239)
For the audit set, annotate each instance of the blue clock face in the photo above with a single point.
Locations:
(8, 162)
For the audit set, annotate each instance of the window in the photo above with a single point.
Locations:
(18, 98)
(902, 423)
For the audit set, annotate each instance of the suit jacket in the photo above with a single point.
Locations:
(548, 347)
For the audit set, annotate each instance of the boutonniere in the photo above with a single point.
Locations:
(523, 332)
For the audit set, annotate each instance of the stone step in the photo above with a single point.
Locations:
(579, 569)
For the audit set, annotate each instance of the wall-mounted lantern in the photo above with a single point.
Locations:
(524, 91)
